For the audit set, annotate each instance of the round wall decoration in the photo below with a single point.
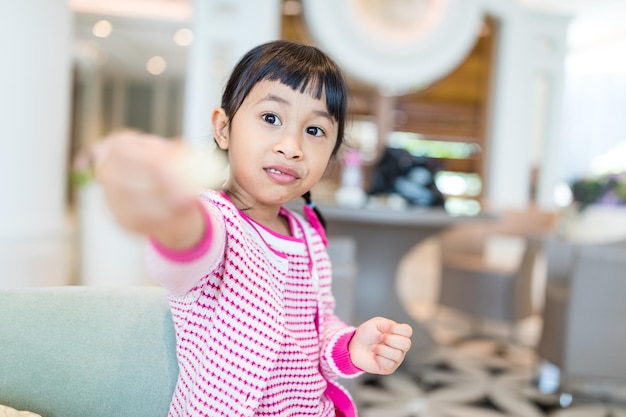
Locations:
(396, 45)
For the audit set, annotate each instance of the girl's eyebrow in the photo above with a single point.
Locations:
(274, 97)
(281, 100)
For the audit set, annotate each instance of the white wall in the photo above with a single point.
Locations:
(35, 85)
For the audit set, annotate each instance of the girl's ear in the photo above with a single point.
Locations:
(220, 127)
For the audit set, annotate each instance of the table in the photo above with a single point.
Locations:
(384, 236)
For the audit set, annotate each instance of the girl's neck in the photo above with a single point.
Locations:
(268, 216)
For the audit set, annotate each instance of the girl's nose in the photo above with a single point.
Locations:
(289, 146)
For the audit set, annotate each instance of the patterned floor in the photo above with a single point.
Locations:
(474, 378)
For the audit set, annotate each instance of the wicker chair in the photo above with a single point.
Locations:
(480, 284)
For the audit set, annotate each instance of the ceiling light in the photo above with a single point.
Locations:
(156, 65)
(183, 37)
(102, 29)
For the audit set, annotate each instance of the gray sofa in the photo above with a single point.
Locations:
(87, 351)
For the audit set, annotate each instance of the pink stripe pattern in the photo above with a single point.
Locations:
(256, 333)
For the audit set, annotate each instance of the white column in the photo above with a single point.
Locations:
(35, 85)
(508, 168)
(549, 50)
(224, 30)
(526, 103)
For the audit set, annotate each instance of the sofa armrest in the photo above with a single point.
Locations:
(87, 351)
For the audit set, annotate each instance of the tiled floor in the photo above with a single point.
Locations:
(468, 376)
(476, 378)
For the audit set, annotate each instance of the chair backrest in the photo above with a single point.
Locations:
(87, 351)
(560, 257)
(488, 269)
(595, 332)
(470, 238)
(572, 289)
(562, 254)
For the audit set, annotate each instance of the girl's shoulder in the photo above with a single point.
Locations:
(222, 211)
(219, 201)
(216, 196)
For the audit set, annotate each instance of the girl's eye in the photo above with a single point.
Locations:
(271, 119)
(315, 131)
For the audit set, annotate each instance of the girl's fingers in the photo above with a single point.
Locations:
(132, 211)
(397, 342)
(402, 330)
(201, 167)
(150, 181)
(386, 365)
(390, 353)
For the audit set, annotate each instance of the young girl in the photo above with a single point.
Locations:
(248, 280)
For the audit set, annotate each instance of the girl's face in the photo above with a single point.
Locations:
(279, 143)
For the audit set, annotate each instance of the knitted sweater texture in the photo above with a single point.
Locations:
(256, 333)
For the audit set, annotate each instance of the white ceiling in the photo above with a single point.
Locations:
(141, 29)
(594, 22)
(145, 28)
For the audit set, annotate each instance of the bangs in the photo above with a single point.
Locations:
(314, 83)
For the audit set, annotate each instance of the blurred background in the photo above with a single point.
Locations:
(459, 109)
(505, 102)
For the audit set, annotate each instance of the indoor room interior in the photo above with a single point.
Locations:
(480, 197)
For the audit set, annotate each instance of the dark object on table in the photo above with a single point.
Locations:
(412, 177)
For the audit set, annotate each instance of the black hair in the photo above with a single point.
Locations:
(299, 66)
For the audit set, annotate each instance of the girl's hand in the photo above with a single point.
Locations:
(379, 345)
(150, 186)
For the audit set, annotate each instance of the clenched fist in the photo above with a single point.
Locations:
(151, 183)
(379, 345)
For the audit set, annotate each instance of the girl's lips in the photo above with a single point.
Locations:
(282, 174)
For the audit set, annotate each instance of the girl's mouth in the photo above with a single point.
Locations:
(282, 175)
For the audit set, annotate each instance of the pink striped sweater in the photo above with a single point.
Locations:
(253, 311)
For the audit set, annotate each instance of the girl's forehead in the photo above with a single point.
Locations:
(266, 86)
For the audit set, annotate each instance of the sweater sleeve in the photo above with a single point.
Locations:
(335, 357)
(179, 271)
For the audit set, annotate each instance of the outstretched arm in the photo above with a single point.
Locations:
(149, 187)
(379, 345)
